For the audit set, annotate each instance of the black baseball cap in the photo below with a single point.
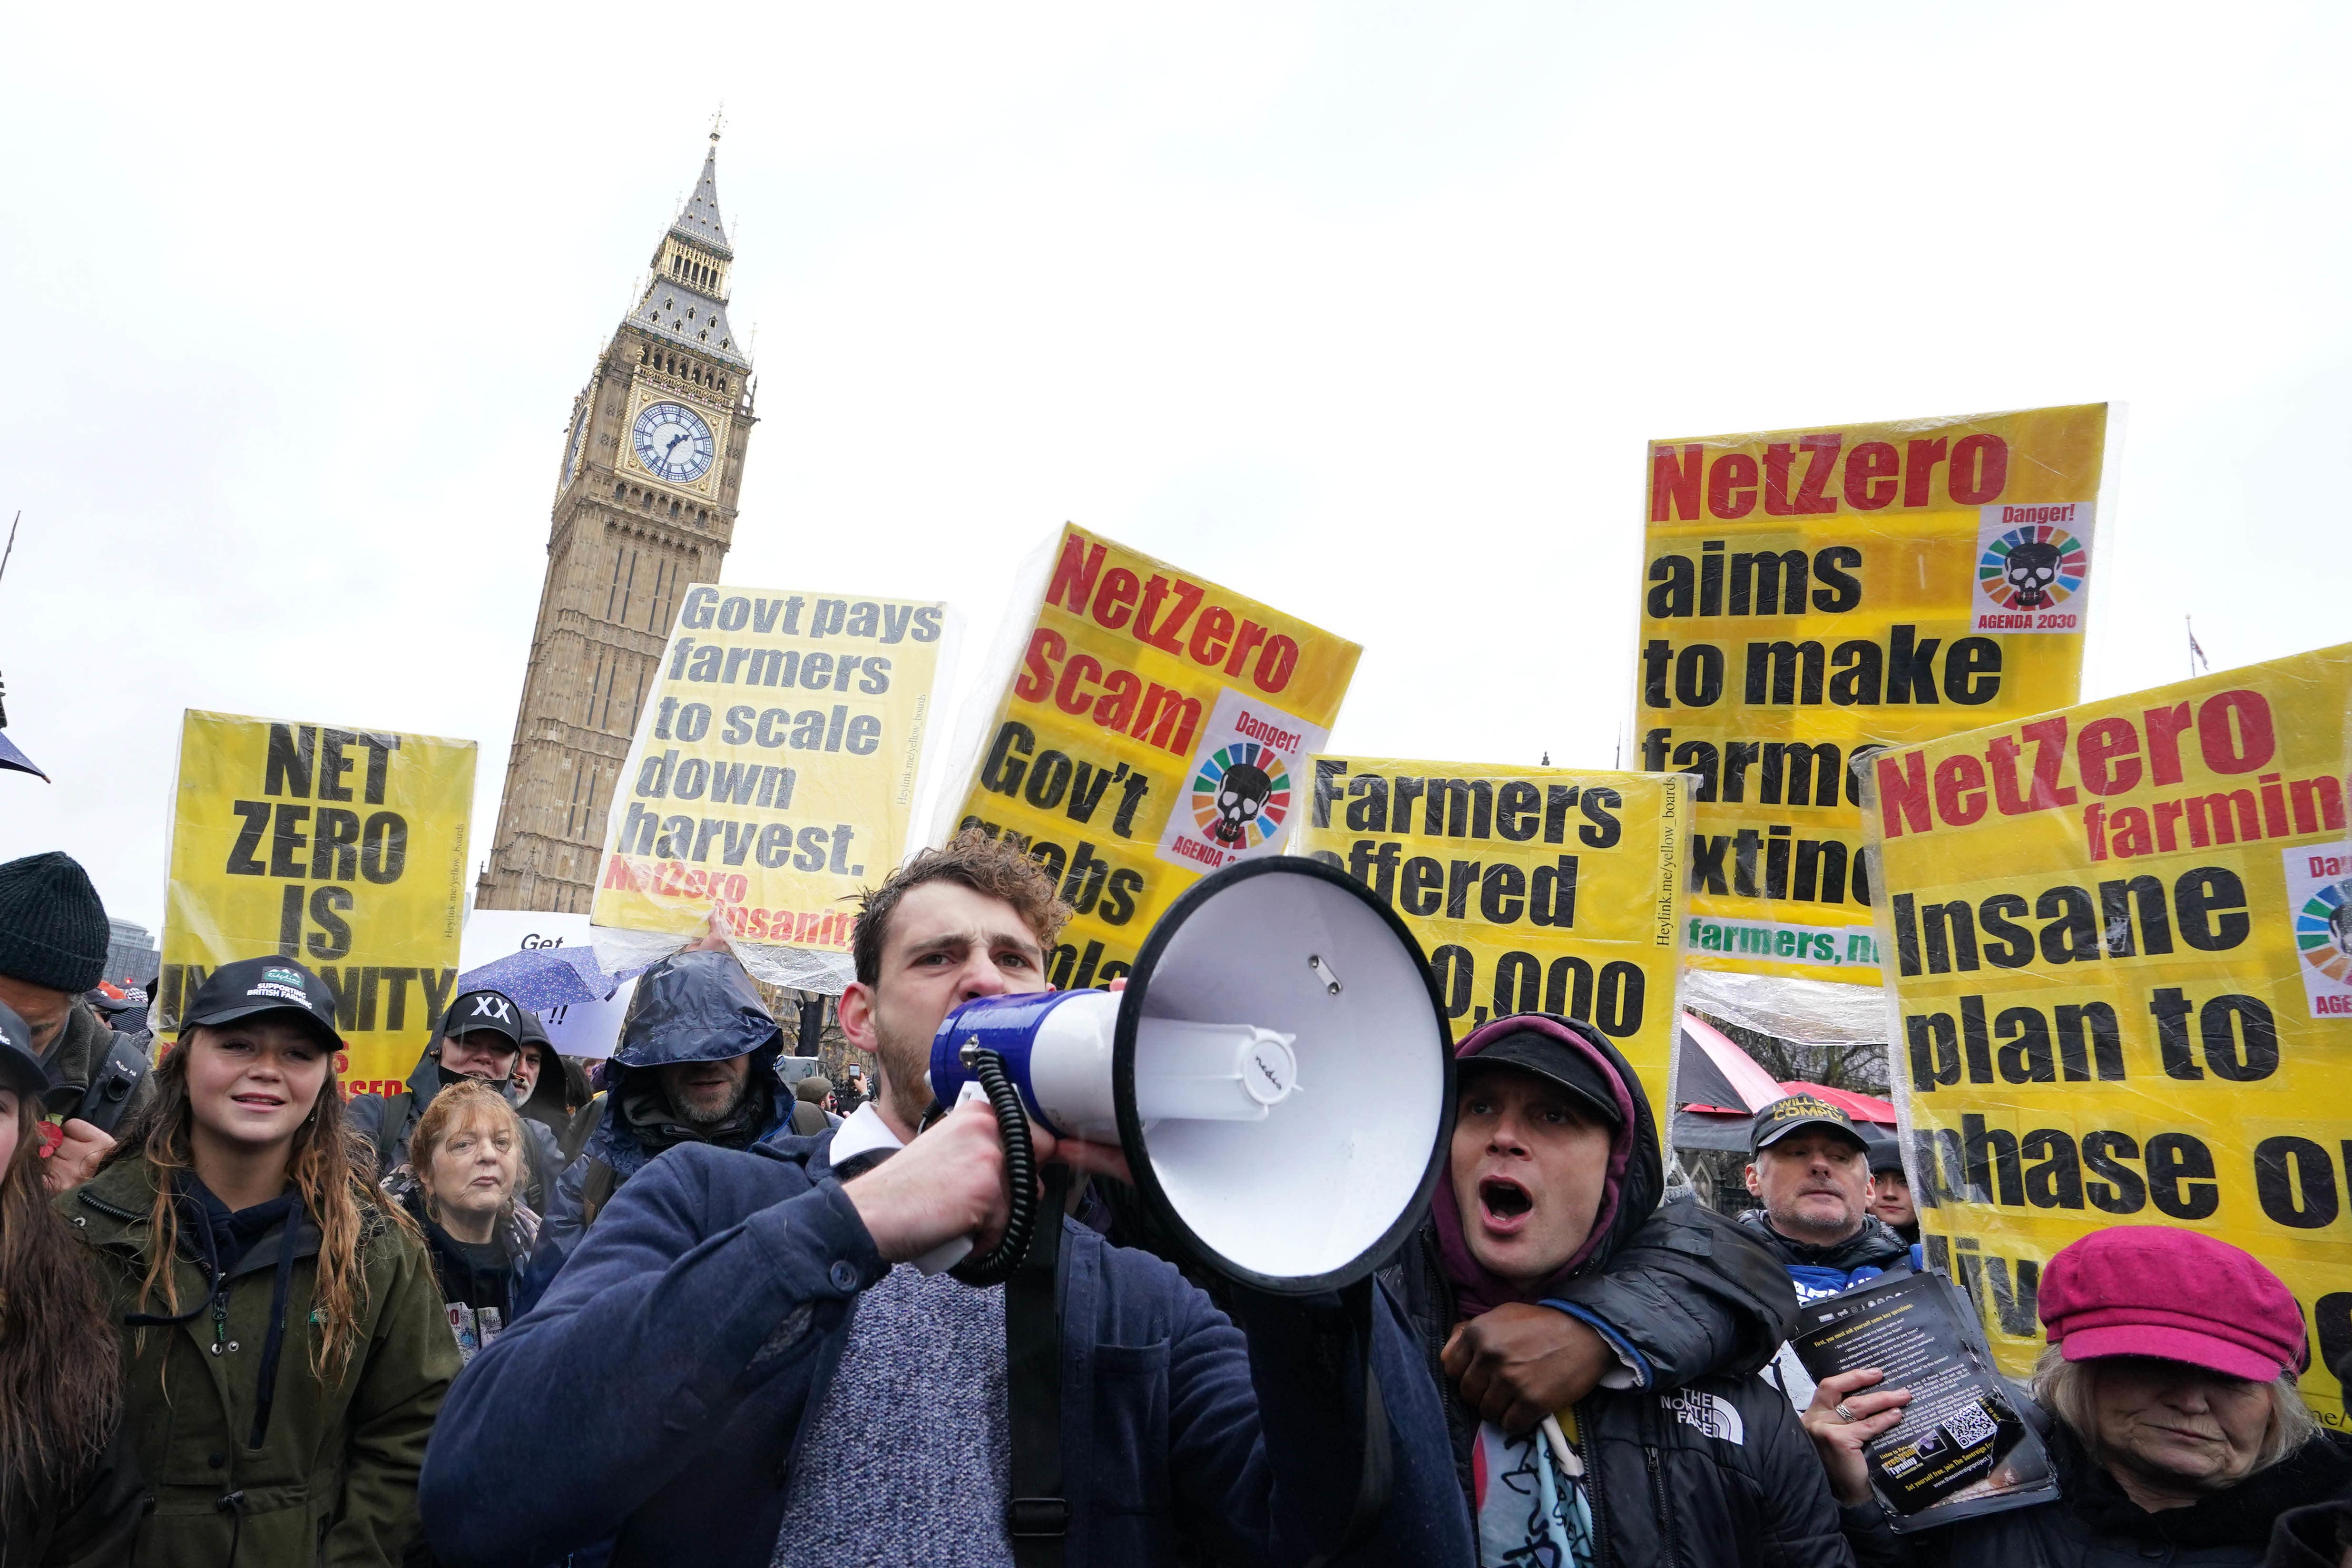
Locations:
(20, 1070)
(1886, 1153)
(492, 1010)
(1794, 1113)
(251, 986)
(1552, 1059)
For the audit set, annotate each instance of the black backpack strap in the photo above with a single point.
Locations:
(596, 1191)
(1038, 1515)
(118, 1078)
(1376, 1479)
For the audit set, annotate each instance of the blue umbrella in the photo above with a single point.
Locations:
(541, 978)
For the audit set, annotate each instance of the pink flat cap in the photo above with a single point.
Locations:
(2154, 1290)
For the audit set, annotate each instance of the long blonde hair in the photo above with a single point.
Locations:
(330, 1164)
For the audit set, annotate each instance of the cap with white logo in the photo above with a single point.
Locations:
(492, 1010)
(252, 986)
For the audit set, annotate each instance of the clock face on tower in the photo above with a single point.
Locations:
(672, 442)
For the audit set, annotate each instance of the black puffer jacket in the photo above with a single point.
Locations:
(1707, 1476)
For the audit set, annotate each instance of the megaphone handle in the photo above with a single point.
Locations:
(948, 1254)
(945, 1256)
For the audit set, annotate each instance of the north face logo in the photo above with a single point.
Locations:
(1709, 1413)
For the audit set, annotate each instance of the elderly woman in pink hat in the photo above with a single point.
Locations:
(2168, 1399)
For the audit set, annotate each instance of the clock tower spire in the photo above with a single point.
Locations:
(644, 503)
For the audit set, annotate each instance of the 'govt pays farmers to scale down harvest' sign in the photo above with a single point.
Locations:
(1810, 595)
(1156, 726)
(1531, 890)
(2120, 966)
(340, 846)
(773, 769)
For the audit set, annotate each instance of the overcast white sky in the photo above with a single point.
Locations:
(1365, 310)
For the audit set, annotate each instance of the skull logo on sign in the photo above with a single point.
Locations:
(2031, 568)
(1241, 794)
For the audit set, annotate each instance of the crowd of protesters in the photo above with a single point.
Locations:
(510, 1317)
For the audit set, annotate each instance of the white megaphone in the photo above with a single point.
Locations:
(1278, 1071)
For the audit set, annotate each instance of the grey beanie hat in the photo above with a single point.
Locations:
(53, 929)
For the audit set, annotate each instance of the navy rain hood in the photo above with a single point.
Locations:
(694, 1007)
(689, 1008)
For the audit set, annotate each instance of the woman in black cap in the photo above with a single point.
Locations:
(285, 1351)
(69, 1490)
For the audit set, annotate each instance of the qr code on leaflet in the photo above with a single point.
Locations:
(1969, 1426)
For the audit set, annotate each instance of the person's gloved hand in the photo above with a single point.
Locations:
(1518, 1363)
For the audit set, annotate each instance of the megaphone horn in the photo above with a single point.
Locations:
(1278, 1071)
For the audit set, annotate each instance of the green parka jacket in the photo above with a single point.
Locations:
(329, 1475)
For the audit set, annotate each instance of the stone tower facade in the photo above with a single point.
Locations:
(644, 503)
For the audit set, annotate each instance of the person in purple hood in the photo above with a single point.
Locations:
(1552, 1199)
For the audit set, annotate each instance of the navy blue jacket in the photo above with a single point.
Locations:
(712, 1301)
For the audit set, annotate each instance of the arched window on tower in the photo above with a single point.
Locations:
(619, 489)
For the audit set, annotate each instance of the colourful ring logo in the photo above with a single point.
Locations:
(1241, 795)
(2036, 567)
(2323, 933)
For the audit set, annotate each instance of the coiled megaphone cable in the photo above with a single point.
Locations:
(996, 1265)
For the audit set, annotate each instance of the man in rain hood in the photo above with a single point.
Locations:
(480, 1034)
(697, 1064)
(1554, 1178)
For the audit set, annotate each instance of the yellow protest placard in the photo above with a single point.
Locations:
(1156, 728)
(2121, 964)
(774, 768)
(341, 846)
(1532, 890)
(1809, 595)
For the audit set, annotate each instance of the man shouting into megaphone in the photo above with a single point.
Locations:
(739, 1343)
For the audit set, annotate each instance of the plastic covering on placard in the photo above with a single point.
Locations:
(773, 776)
(1809, 1012)
(1145, 726)
(1810, 595)
(1531, 890)
(340, 846)
(794, 968)
(2119, 986)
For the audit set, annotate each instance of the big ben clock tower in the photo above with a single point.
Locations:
(645, 504)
